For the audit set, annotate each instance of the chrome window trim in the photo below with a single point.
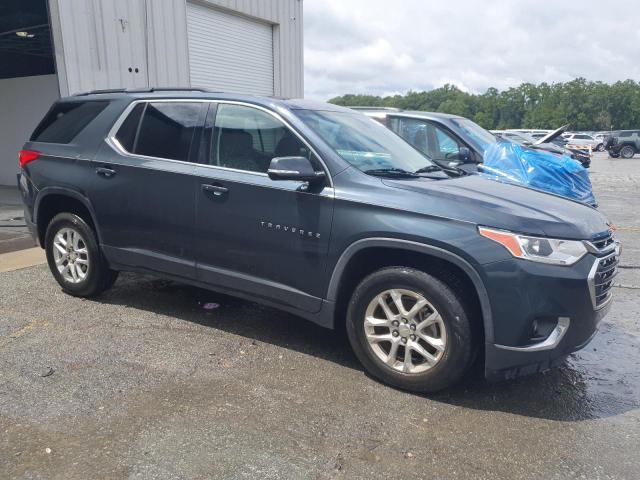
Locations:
(115, 144)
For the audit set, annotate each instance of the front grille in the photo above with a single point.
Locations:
(603, 243)
(604, 272)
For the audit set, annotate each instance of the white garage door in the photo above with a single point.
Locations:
(229, 53)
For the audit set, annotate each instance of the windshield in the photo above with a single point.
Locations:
(483, 138)
(363, 142)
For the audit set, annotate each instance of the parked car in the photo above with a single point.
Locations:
(556, 142)
(318, 210)
(625, 144)
(454, 142)
(582, 139)
(600, 138)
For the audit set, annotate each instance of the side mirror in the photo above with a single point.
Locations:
(293, 168)
(464, 154)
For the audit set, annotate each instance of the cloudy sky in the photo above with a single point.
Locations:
(385, 47)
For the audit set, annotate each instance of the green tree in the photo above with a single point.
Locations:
(583, 104)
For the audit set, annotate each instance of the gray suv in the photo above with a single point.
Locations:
(626, 144)
(319, 211)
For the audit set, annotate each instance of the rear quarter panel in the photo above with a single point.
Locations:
(67, 169)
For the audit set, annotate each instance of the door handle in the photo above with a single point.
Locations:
(217, 190)
(105, 172)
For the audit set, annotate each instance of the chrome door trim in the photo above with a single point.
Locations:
(115, 144)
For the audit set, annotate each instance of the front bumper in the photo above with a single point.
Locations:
(542, 313)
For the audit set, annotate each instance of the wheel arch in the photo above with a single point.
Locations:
(343, 276)
(54, 200)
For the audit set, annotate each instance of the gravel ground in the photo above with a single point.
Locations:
(146, 383)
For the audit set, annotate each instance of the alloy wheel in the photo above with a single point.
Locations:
(71, 255)
(405, 331)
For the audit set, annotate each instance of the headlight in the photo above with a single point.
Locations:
(537, 249)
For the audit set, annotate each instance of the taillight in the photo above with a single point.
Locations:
(26, 156)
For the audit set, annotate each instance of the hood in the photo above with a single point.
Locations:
(491, 203)
(550, 137)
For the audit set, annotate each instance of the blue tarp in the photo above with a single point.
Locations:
(510, 162)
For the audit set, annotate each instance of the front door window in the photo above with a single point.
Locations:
(430, 139)
(245, 138)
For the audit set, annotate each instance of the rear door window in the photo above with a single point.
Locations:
(167, 129)
(66, 120)
(161, 129)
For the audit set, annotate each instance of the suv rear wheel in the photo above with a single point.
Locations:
(627, 151)
(74, 257)
(410, 330)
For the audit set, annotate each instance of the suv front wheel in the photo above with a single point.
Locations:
(74, 257)
(627, 151)
(410, 330)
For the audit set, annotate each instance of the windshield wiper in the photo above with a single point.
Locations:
(429, 169)
(450, 169)
(391, 172)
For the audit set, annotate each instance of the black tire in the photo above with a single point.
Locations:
(98, 276)
(459, 350)
(600, 147)
(627, 151)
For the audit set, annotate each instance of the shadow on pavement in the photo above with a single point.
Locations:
(563, 394)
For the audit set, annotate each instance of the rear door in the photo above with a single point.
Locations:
(143, 188)
(253, 234)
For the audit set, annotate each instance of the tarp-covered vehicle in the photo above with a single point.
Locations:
(560, 174)
(461, 147)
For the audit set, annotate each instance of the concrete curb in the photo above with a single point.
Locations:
(22, 259)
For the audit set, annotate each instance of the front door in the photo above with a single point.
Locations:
(253, 234)
(143, 188)
(432, 140)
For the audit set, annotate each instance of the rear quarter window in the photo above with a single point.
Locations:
(129, 129)
(65, 120)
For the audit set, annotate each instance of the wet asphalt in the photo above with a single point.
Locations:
(144, 382)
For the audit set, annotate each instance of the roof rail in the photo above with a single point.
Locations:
(387, 109)
(144, 90)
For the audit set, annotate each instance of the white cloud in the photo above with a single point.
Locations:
(385, 47)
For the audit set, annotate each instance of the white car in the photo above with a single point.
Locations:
(583, 140)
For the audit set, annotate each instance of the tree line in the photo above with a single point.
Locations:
(585, 105)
